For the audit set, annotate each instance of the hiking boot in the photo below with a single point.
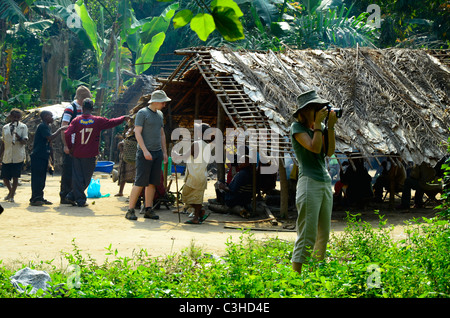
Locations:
(130, 215)
(150, 214)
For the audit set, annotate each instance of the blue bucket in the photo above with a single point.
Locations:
(180, 169)
(104, 166)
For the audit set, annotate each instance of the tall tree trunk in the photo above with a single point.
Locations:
(4, 85)
(55, 56)
(104, 69)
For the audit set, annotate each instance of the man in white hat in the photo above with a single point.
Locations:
(151, 152)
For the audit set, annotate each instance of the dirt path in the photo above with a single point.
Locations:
(42, 233)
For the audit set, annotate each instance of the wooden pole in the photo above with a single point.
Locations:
(284, 188)
(168, 122)
(254, 189)
(197, 104)
(221, 126)
(176, 183)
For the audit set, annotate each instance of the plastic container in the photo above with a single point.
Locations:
(169, 166)
(104, 166)
(180, 169)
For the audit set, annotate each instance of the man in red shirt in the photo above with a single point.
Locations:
(70, 112)
(87, 129)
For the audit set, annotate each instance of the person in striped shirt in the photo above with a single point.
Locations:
(84, 148)
(70, 113)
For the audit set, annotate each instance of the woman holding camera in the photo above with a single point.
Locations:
(312, 142)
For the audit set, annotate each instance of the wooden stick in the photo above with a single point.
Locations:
(176, 183)
(257, 229)
(238, 222)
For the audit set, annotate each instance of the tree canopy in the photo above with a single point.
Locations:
(106, 44)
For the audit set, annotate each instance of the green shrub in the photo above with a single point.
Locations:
(361, 261)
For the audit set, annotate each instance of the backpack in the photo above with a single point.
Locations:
(74, 112)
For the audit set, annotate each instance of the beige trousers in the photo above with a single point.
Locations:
(314, 201)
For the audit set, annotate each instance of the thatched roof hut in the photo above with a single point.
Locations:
(394, 100)
(32, 119)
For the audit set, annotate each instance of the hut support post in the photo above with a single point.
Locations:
(168, 145)
(254, 189)
(197, 104)
(283, 190)
(221, 127)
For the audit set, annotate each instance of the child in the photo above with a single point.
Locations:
(39, 157)
(87, 129)
(196, 177)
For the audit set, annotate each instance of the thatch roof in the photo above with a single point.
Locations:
(394, 100)
(32, 119)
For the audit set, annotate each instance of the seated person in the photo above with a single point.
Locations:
(391, 178)
(420, 179)
(233, 169)
(220, 193)
(238, 194)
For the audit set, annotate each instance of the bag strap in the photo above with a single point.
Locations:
(75, 111)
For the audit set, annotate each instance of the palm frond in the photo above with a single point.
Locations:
(320, 29)
(10, 11)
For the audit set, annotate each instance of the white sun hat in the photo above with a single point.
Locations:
(159, 96)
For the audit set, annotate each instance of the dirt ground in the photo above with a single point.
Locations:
(30, 233)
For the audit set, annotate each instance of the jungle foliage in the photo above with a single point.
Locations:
(110, 42)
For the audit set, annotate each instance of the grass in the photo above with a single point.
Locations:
(362, 262)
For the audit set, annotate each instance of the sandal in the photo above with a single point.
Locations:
(204, 217)
(192, 222)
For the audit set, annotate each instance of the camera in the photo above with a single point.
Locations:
(338, 111)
